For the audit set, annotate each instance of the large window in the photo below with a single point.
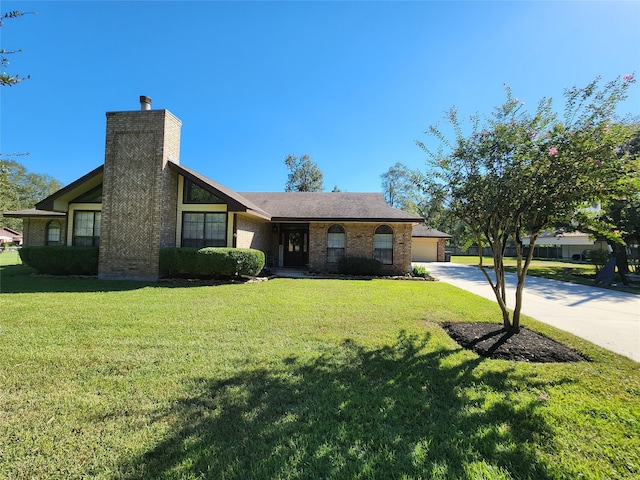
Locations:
(92, 196)
(383, 248)
(53, 232)
(335, 243)
(204, 230)
(86, 228)
(196, 194)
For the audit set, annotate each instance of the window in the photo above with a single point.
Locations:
(204, 230)
(53, 233)
(92, 196)
(335, 243)
(383, 244)
(86, 229)
(196, 194)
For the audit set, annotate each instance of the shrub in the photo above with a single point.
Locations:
(210, 262)
(419, 271)
(359, 266)
(597, 258)
(61, 260)
(248, 261)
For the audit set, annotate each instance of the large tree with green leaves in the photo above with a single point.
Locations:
(304, 174)
(399, 188)
(618, 219)
(517, 173)
(20, 189)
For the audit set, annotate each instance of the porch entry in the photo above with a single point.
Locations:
(295, 244)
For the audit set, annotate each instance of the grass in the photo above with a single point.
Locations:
(292, 379)
(563, 270)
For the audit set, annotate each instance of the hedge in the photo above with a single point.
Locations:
(359, 266)
(210, 262)
(61, 260)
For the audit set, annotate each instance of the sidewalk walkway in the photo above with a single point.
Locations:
(605, 317)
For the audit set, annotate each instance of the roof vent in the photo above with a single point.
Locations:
(145, 103)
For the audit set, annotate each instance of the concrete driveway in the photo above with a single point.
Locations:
(605, 317)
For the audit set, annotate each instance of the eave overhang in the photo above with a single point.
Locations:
(34, 213)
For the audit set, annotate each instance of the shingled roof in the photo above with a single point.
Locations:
(274, 206)
(328, 206)
(235, 201)
(426, 232)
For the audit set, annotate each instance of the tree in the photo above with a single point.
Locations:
(304, 175)
(517, 174)
(20, 189)
(405, 189)
(618, 218)
(8, 80)
(398, 186)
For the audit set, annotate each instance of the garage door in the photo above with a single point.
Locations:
(424, 250)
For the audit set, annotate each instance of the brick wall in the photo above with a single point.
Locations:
(253, 233)
(441, 248)
(139, 192)
(34, 231)
(359, 242)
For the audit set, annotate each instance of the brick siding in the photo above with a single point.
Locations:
(34, 231)
(441, 248)
(139, 193)
(359, 242)
(253, 233)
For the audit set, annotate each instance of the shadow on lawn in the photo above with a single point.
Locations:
(394, 412)
(21, 279)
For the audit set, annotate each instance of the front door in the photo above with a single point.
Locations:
(296, 247)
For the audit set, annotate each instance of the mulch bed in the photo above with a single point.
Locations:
(492, 341)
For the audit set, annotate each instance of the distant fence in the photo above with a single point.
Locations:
(541, 251)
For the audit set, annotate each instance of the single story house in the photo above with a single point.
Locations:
(9, 236)
(570, 245)
(143, 199)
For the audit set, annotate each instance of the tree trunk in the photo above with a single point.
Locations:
(522, 269)
(622, 262)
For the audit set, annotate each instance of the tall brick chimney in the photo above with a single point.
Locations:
(139, 192)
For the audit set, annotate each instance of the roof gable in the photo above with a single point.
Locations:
(59, 200)
(235, 202)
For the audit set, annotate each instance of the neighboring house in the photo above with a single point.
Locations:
(567, 244)
(142, 199)
(9, 236)
(428, 244)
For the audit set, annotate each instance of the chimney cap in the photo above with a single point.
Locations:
(145, 102)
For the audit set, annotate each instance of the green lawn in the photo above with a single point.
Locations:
(333, 379)
(578, 267)
(562, 270)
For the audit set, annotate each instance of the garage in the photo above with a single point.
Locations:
(427, 244)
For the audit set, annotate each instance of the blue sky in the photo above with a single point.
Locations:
(353, 84)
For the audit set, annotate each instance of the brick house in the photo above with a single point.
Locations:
(143, 199)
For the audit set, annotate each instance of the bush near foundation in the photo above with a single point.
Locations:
(359, 266)
(210, 262)
(62, 260)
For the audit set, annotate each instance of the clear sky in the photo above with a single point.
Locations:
(352, 84)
